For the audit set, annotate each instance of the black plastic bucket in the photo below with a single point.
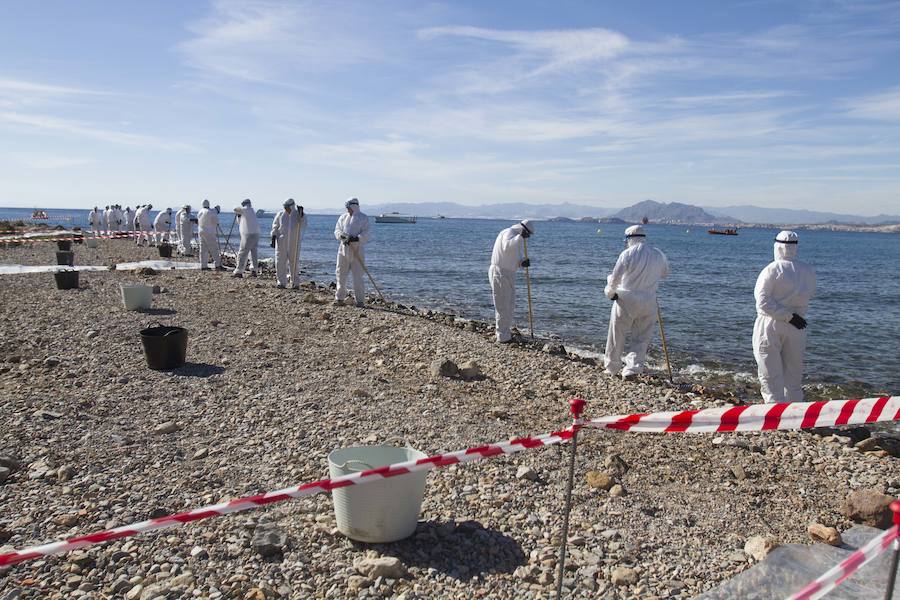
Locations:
(66, 280)
(165, 348)
(64, 245)
(65, 257)
(165, 251)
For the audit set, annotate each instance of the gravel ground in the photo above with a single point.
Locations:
(278, 378)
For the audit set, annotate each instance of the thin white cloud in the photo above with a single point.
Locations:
(70, 127)
(884, 106)
(30, 87)
(50, 161)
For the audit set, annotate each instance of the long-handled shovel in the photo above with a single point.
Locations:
(528, 283)
(662, 336)
(366, 269)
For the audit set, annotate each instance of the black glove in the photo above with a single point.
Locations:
(273, 241)
(345, 238)
(615, 297)
(526, 263)
(798, 321)
(354, 238)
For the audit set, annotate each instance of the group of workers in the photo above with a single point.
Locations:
(111, 219)
(783, 291)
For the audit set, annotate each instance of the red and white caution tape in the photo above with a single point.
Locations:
(308, 489)
(847, 567)
(70, 237)
(758, 417)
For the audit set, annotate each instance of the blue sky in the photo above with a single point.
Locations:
(781, 104)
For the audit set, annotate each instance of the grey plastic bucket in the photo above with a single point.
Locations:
(65, 257)
(381, 511)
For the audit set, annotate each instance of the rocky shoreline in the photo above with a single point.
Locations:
(278, 378)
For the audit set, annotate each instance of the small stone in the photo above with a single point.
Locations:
(47, 415)
(268, 540)
(9, 462)
(358, 582)
(616, 465)
(4, 474)
(444, 367)
(759, 546)
(737, 471)
(51, 361)
(599, 480)
(183, 580)
(869, 507)
(66, 520)
(166, 428)
(470, 370)
(867, 445)
(383, 566)
(134, 593)
(91, 334)
(200, 454)
(623, 576)
(65, 473)
(358, 393)
(82, 559)
(255, 594)
(825, 535)
(526, 472)
(616, 491)
(199, 553)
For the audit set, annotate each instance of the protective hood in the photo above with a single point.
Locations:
(352, 205)
(246, 202)
(206, 204)
(634, 235)
(288, 203)
(786, 245)
(529, 225)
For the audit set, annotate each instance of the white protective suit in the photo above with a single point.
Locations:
(287, 230)
(249, 229)
(185, 230)
(633, 282)
(108, 219)
(208, 231)
(129, 219)
(783, 289)
(507, 257)
(117, 218)
(351, 255)
(95, 217)
(161, 225)
(142, 216)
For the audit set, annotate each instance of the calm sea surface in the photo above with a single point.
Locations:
(707, 302)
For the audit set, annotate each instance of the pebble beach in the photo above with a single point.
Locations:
(276, 379)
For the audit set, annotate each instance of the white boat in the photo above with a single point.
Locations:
(394, 217)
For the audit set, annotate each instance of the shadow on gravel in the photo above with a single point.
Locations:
(158, 311)
(459, 550)
(198, 370)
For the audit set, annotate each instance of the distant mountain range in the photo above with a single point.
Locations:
(656, 212)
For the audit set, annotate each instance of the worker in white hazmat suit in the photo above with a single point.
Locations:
(143, 220)
(128, 216)
(352, 230)
(117, 217)
(185, 229)
(249, 229)
(287, 228)
(161, 225)
(783, 291)
(632, 287)
(507, 257)
(208, 232)
(95, 217)
(107, 219)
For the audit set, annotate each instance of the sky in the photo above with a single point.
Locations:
(780, 104)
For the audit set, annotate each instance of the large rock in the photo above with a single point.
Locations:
(869, 507)
(383, 566)
(759, 546)
(624, 576)
(599, 480)
(470, 370)
(268, 540)
(444, 367)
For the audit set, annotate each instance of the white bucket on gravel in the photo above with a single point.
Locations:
(136, 296)
(381, 511)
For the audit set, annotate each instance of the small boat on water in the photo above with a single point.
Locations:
(394, 217)
(40, 214)
(722, 231)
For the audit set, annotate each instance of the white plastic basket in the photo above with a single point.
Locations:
(381, 511)
(136, 296)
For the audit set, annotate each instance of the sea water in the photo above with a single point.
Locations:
(707, 301)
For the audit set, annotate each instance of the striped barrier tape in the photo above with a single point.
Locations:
(842, 571)
(758, 417)
(307, 489)
(738, 418)
(49, 237)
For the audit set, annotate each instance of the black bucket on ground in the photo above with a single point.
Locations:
(165, 348)
(65, 257)
(64, 245)
(165, 251)
(66, 280)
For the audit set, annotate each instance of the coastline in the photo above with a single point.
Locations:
(278, 378)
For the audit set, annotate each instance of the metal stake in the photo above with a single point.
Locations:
(576, 406)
